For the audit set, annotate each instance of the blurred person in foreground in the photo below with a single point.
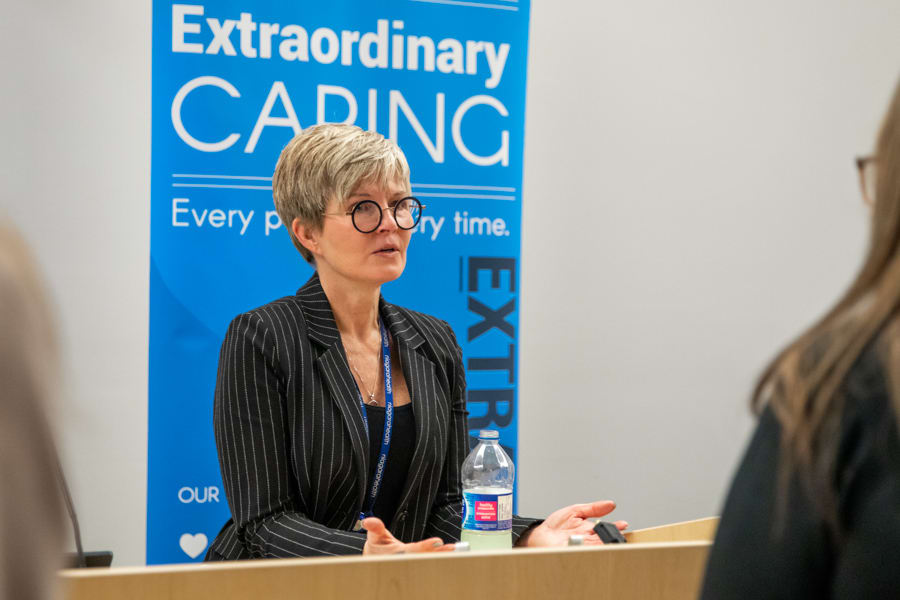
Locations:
(305, 383)
(32, 522)
(814, 510)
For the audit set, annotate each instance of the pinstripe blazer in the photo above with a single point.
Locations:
(292, 445)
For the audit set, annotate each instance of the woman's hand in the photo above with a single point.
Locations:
(571, 520)
(381, 541)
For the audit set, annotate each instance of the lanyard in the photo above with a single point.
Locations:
(388, 423)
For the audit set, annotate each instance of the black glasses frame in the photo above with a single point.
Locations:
(381, 210)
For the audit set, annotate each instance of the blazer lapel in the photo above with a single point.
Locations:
(335, 372)
(417, 368)
(421, 381)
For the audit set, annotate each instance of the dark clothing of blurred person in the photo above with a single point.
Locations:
(758, 556)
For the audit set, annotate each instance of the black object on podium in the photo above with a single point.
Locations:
(609, 533)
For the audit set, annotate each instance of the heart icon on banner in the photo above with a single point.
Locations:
(193, 545)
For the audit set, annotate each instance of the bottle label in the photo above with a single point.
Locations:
(487, 512)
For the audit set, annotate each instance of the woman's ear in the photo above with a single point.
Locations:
(306, 235)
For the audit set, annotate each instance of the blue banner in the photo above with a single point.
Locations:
(233, 82)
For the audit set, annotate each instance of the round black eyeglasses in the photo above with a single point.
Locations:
(367, 214)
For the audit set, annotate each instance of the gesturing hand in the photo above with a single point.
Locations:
(381, 541)
(571, 520)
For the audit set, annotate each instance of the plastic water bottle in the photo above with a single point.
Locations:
(487, 480)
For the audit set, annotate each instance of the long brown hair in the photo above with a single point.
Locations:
(803, 383)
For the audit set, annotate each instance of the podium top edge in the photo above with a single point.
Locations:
(311, 562)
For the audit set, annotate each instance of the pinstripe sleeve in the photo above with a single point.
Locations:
(251, 430)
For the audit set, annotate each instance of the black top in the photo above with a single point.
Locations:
(403, 443)
(750, 560)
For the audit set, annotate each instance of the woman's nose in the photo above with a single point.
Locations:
(388, 222)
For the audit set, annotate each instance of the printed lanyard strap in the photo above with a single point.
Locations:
(388, 422)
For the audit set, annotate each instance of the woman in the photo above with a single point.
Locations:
(32, 522)
(814, 511)
(307, 383)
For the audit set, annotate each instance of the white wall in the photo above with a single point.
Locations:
(690, 203)
(75, 160)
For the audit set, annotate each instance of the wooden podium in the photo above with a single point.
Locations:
(660, 562)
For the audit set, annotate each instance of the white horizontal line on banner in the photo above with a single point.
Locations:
(439, 186)
(475, 4)
(196, 176)
(218, 185)
(476, 196)
(488, 188)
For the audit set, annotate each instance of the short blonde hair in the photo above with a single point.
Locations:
(328, 162)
